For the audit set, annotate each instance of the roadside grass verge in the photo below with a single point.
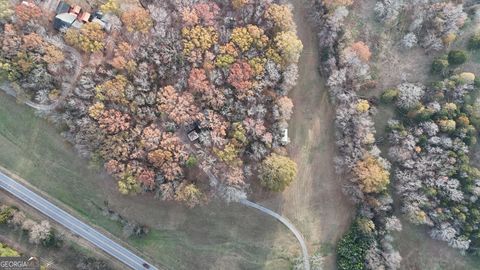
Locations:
(213, 237)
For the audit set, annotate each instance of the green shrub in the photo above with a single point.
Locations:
(191, 161)
(457, 57)
(474, 42)
(439, 66)
(389, 95)
(352, 249)
(6, 214)
(476, 82)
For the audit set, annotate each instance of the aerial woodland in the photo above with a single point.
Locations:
(129, 97)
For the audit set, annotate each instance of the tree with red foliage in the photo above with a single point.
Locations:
(207, 12)
(255, 127)
(169, 156)
(179, 107)
(235, 177)
(26, 11)
(240, 75)
(146, 177)
(114, 121)
(114, 167)
(198, 81)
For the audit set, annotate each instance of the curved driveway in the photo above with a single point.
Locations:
(73, 224)
(288, 224)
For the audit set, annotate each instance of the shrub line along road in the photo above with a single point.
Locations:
(75, 225)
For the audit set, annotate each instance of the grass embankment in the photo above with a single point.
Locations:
(213, 237)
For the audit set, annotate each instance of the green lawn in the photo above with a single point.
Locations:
(213, 237)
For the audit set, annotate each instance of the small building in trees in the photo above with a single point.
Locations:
(193, 136)
(194, 131)
(84, 17)
(64, 20)
(76, 10)
(68, 16)
(62, 7)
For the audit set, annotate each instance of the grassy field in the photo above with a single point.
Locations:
(217, 236)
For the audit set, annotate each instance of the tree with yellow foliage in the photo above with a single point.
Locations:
(190, 194)
(373, 177)
(90, 38)
(229, 154)
(111, 6)
(5, 251)
(242, 38)
(96, 110)
(281, 16)
(198, 37)
(245, 37)
(127, 184)
(277, 172)
(113, 90)
(5, 9)
(289, 46)
(362, 106)
(336, 3)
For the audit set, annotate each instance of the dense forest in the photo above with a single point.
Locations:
(168, 88)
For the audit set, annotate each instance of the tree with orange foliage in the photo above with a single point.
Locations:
(189, 16)
(123, 57)
(285, 107)
(373, 177)
(32, 41)
(151, 137)
(53, 55)
(179, 107)
(11, 41)
(114, 121)
(235, 177)
(237, 4)
(137, 20)
(240, 75)
(27, 11)
(169, 156)
(361, 50)
(198, 81)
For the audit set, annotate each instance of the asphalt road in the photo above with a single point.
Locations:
(76, 226)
